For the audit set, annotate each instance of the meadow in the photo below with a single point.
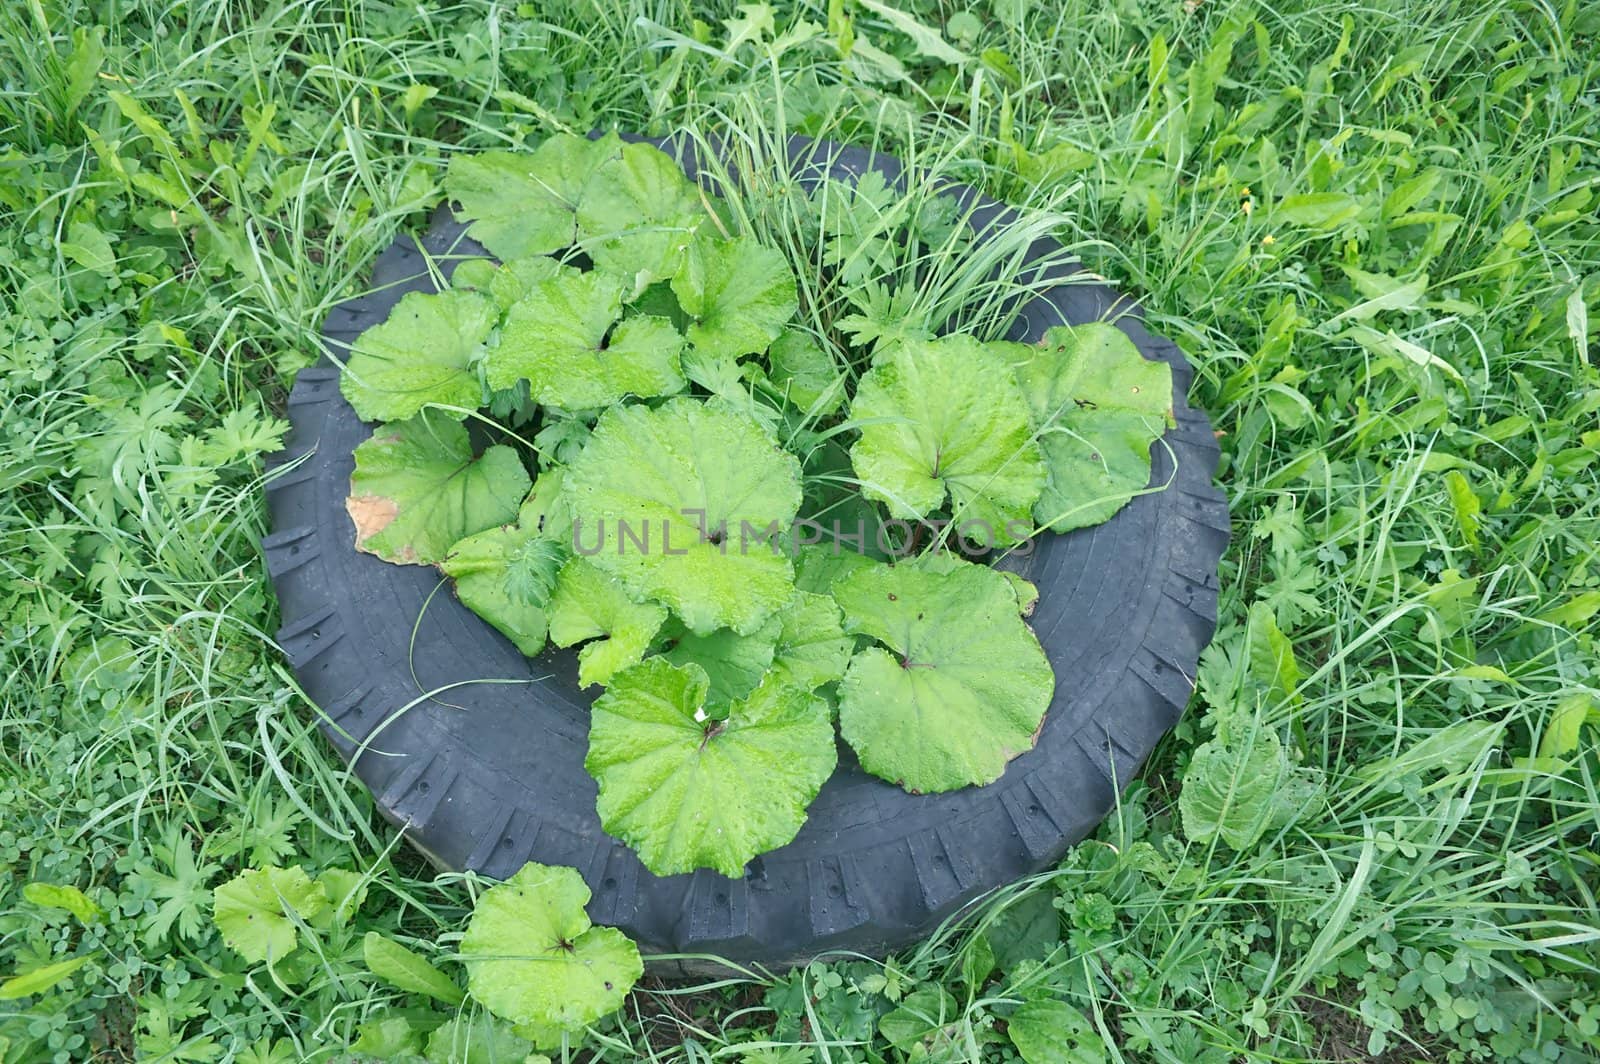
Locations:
(1373, 230)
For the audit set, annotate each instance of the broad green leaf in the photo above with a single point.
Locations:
(423, 352)
(90, 248)
(812, 648)
(83, 65)
(1468, 510)
(533, 957)
(638, 214)
(928, 1018)
(506, 576)
(256, 911)
(588, 604)
(407, 969)
(818, 566)
(738, 294)
(545, 508)
(728, 381)
(1238, 791)
(526, 203)
(651, 481)
(1575, 612)
(67, 897)
(805, 373)
(804, 646)
(508, 282)
(1048, 1031)
(1098, 405)
(1318, 210)
(1271, 655)
(41, 979)
(346, 891)
(1565, 730)
(927, 40)
(1453, 748)
(476, 1039)
(965, 689)
(1029, 930)
(733, 663)
(1027, 594)
(940, 418)
(564, 337)
(388, 1037)
(689, 791)
(417, 490)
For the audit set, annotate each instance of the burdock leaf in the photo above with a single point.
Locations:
(417, 490)
(812, 648)
(505, 283)
(534, 958)
(588, 604)
(806, 374)
(638, 214)
(564, 337)
(1098, 405)
(733, 663)
(526, 203)
(506, 575)
(1240, 790)
(422, 353)
(942, 418)
(685, 501)
(963, 692)
(688, 791)
(256, 911)
(738, 294)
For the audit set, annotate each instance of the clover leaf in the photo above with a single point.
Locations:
(506, 575)
(688, 791)
(682, 503)
(422, 353)
(940, 418)
(637, 214)
(563, 336)
(967, 677)
(588, 604)
(526, 203)
(257, 910)
(534, 958)
(1099, 405)
(738, 294)
(417, 490)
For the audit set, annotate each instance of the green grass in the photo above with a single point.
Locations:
(1394, 339)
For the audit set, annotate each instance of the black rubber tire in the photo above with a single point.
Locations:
(490, 775)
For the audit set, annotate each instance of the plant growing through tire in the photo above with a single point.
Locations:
(758, 527)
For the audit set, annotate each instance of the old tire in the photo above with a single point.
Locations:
(487, 774)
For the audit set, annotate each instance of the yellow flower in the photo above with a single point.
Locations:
(1268, 240)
